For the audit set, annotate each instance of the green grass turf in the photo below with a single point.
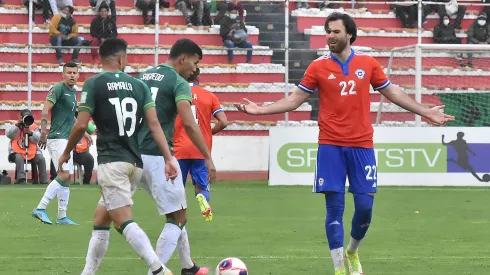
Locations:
(274, 230)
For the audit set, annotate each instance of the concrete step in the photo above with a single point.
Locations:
(280, 44)
(263, 7)
(266, 25)
(269, 17)
(280, 35)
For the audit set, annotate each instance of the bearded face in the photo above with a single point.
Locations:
(337, 36)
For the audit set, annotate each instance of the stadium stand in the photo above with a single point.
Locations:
(262, 80)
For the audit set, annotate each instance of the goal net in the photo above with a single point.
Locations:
(457, 76)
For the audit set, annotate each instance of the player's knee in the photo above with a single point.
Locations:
(181, 217)
(102, 222)
(178, 217)
(170, 217)
(335, 206)
(363, 204)
(180, 222)
(102, 219)
(64, 176)
(183, 221)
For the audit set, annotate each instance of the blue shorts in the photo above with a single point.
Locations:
(198, 170)
(335, 163)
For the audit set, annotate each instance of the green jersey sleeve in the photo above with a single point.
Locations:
(148, 101)
(87, 102)
(182, 91)
(54, 94)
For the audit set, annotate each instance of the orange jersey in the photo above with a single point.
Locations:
(205, 105)
(344, 96)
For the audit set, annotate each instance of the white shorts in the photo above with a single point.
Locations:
(56, 147)
(168, 197)
(118, 182)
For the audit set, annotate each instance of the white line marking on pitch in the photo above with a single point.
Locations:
(472, 189)
(257, 258)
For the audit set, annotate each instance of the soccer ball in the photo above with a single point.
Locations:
(231, 266)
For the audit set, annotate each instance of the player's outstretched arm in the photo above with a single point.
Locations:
(160, 139)
(222, 123)
(76, 134)
(48, 105)
(287, 104)
(435, 114)
(194, 132)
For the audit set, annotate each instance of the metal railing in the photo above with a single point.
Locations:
(287, 50)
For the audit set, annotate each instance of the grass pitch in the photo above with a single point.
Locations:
(274, 230)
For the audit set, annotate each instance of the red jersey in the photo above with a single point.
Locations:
(344, 97)
(205, 105)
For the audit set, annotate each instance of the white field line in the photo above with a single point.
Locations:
(420, 188)
(262, 257)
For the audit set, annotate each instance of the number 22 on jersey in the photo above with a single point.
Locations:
(154, 92)
(347, 88)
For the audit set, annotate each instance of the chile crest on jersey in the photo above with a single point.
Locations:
(360, 73)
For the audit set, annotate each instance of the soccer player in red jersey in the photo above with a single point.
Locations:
(343, 78)
(205, 105)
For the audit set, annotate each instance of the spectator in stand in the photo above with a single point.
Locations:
(429, 8)
(234, 34)
(101, 28)
(63, 31)
(478, 33)
(201, 15)
(303, 4)
(206, 17)
(445, 33)
(451, 8)
(146, 6)
(486, 9)
(223, 7)
(97, 4)
(17, 151)
(406, 12)
(57, 5)
(36, 5)
(326, 5)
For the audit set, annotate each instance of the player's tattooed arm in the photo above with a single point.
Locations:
(290, 103)
(44, 123)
